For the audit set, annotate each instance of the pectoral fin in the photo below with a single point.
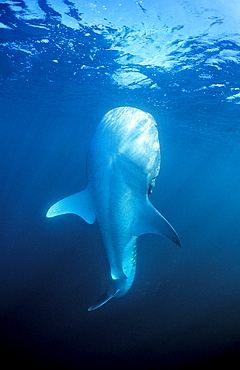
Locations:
(80, 204)
(151, 221)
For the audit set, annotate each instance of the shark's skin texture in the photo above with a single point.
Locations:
(122, 164)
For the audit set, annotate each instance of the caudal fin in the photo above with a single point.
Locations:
(113, 290)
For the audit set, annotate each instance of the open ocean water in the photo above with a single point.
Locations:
(64, 64)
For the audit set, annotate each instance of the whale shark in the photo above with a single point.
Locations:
(123, 162)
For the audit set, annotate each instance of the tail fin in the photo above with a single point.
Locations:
(113, 290)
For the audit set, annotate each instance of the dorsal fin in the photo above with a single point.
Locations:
(151, 221)
(80, 204)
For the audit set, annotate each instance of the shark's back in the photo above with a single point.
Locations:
(124, 135)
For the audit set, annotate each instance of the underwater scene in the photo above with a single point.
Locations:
(174, 68)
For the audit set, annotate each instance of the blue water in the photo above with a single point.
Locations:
(64, 64)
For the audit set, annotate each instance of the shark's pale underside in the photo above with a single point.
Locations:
(122, 164)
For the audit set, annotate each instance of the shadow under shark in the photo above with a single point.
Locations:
(122, 164)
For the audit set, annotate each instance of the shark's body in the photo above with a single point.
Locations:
(122, 164)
